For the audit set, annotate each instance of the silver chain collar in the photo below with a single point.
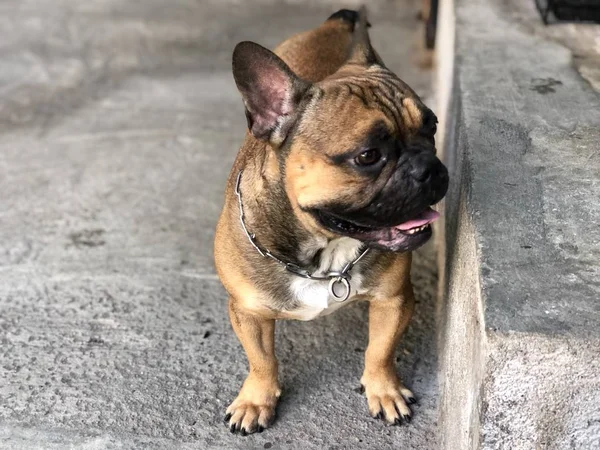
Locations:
(339, 281)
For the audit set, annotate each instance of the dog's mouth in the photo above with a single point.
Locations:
(405, 236)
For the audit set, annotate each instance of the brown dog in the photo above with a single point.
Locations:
(330, 192)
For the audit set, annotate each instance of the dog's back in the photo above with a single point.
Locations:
(315, 54)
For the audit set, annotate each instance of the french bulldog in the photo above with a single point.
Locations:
(330, 193)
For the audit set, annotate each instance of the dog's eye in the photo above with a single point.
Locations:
(368, 157)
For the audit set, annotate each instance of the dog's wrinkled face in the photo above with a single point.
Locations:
(357, 150)
(362, 162)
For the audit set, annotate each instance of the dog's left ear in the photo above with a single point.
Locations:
(361, 50)
(271, 91)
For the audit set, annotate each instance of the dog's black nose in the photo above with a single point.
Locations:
(420, 173)
(424, 167)
(430, 175)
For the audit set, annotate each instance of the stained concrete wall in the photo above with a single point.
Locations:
(520, 315)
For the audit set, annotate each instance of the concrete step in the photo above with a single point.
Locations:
(520, 318)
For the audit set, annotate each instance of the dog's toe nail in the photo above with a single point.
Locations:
(412, 400)
(379, 415)
(398, 421)
(227, 417)
(260, 429)
(243, 432)
(407, 418)
(232, 428)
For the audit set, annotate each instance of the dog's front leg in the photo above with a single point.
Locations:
(386, 396)
(254, 407)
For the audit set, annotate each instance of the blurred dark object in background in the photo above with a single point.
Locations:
(431, 24)
(569, 10)
(428, 14)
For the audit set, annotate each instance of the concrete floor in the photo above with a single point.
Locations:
(580, 37)
(118, 124)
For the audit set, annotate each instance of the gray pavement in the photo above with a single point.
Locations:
(118, 124)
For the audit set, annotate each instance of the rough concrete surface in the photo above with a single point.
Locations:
(520, 323)
(118, 124)
(582, 38)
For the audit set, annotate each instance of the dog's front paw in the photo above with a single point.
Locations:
(387, 398)
(254, 408)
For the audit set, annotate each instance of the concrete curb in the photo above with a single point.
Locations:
(519, 324)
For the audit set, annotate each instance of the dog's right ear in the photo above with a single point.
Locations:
(361, 50)
(271, 91)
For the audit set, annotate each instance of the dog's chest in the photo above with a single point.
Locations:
(312, 296)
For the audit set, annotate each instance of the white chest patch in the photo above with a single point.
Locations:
(313, 295)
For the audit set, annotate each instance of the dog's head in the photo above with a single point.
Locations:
(356, 150)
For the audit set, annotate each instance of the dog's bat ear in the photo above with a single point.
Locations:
(271, 91)
(361, 50)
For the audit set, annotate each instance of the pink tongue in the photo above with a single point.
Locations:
(426, 217)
